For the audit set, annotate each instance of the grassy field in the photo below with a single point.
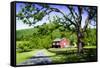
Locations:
(61, 55)
(21, 57)
(24, 56)
(66, 55)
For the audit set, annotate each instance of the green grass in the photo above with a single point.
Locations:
(47, 53)
(68, 49)
(90, 47)
(62, 49)
(60, 55)
(63, 55)
(21, 57)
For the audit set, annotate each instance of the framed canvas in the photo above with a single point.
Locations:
(50, 33)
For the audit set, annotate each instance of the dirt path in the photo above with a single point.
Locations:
(39, 58)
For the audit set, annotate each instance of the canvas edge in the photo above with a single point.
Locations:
(13, 32)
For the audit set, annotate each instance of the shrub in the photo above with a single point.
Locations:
(23, 46)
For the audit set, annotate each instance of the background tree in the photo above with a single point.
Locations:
(33, 13)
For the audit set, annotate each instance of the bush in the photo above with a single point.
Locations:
(23, 46)
(41, 42)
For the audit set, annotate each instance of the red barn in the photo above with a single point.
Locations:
(60, 43)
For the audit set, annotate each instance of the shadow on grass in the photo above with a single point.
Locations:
(41, 56)
(89, 55)
(71, 56)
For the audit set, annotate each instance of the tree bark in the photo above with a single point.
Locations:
(80, 36)
(80, 43)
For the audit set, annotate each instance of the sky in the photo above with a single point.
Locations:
(21, 25)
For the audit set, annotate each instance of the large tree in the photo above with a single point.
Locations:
(72, 19)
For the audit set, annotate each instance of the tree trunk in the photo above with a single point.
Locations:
(80, 42)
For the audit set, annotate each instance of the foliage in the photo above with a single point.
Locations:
(23, 46)
(89, 41)
(43, 35)
(33, 13)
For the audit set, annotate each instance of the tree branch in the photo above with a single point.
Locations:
(57, 10)
(72, 14)
(87, 21)
(80, 15)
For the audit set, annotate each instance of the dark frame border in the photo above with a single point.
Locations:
(13, 32)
